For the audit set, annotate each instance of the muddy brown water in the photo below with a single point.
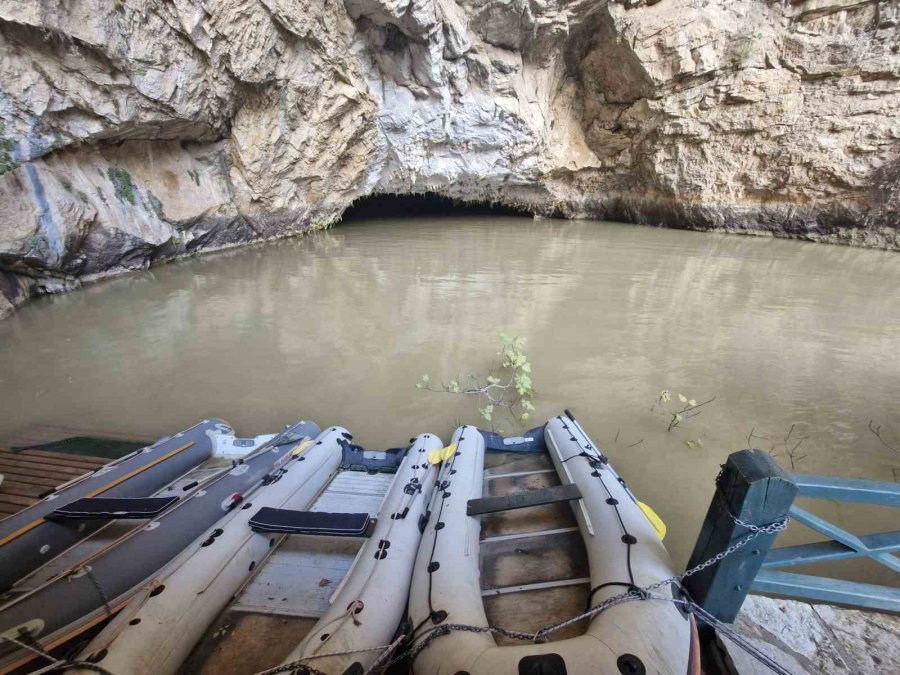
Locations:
(338, 327)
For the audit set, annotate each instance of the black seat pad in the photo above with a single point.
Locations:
(109, 508)
(310, 522)
(521, 500)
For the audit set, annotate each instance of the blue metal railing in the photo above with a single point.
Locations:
(842, 545)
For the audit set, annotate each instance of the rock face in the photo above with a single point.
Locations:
(133, 131)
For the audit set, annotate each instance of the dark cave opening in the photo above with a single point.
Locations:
(425, 204)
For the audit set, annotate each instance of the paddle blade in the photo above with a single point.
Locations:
(447, 452)
(302, 447)
(655, 520)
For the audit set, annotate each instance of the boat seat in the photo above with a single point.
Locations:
(521, 500)
(110, 508)
(289, 521)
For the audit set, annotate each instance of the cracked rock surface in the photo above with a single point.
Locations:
(810, 638)
(134, 131)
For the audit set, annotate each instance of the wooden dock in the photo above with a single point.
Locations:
(29, 474)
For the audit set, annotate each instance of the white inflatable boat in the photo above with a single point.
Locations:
(371, 601)
(156, 631)
(624, 553)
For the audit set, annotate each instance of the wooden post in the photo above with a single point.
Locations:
(759, 492)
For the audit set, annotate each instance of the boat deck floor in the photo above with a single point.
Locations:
(534, 570)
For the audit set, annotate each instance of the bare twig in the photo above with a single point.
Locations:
(792, 451)
(751, 436)
(877, 431)
(686, 413)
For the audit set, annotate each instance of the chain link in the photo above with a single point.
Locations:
(644, 593)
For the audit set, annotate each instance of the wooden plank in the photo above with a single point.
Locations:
(526, 535)
(246, 643)
(41, 480)
(530, 611)
(53, 458)
(754, 489)
(526, 588)
(496, 462)
(517, 474)
(16, 499)
(6, 462)
(12, 487)
(90, 460)
(537, 559)
(521, 500)
(46, 433)
(51, 478)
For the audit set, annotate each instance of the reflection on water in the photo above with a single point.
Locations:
(337, 327)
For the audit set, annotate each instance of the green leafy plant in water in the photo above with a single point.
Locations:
(122, 184)
(508, 386)
(678, 412)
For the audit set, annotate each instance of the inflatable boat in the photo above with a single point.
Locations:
(370, 603)
(157, 630)
(624, 552)
(98, 587)
(30, 538)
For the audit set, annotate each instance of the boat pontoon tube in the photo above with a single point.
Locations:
(624, 552)
(156, 632)
(371, 600)
(99, 586)
(28, 539)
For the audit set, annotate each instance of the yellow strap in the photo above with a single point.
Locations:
(655, 520)
(302, 447)
(447, 452)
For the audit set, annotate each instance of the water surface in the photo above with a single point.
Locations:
(338, 327)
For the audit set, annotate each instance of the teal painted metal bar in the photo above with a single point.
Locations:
(829, 551)
(848, 489)
(843, 537)
(870, 596)
(756, 490)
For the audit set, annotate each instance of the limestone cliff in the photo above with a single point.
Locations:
(132, 131)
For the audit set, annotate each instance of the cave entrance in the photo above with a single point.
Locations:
(426, 204)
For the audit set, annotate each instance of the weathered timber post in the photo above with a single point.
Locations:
(753, 488)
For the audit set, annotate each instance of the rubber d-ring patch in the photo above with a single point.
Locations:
(629, 539)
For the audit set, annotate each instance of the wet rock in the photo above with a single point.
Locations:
(133, 131)
(807, 638)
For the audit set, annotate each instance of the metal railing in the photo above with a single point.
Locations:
(753, 493)
(842, 545)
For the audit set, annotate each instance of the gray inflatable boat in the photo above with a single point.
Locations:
(95, 589)
(32, 537)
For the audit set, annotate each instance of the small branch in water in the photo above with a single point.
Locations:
(751, 436)
(686, 413)
(877, 431)
(792, 452)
